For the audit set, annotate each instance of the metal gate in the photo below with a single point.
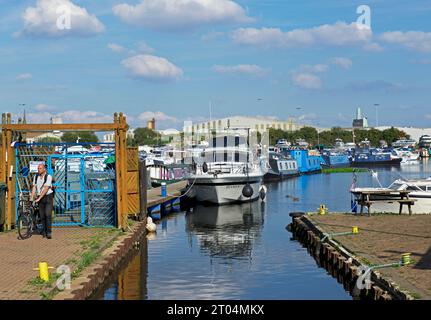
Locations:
(83, 179)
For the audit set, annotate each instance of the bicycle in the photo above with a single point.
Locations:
(28, 220)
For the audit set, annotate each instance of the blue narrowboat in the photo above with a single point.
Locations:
(307, 163)
(335, 159)
(374, 157)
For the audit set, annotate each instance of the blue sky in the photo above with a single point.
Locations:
(170, 58)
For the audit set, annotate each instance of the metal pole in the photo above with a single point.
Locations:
(377, 114)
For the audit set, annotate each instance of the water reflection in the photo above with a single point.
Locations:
(226, 232)
(131, 281)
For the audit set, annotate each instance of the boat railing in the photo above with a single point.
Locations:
(226, 168)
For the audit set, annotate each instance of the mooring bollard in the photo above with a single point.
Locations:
(322, 209)
(43, 271)
(364, 272)
(405, 259)
(355, 230)
(163, 190)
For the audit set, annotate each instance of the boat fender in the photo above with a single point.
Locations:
(205, 167)
(262, 192)
(151, 226)
(247, 191)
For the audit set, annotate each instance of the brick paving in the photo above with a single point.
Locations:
(19, 257)
(382, 239)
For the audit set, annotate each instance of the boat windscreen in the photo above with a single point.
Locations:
(398, 186)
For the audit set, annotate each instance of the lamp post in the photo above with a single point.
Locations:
(377, 114)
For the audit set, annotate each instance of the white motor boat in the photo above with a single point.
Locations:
(420, 190)
(408, 157)
(225, 175)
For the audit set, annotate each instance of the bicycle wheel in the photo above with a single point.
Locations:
(25, 226)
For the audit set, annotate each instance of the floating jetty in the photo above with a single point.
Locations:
(159, 205)
(380, 242)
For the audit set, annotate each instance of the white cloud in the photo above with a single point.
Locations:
(150, 67)
(413, 40)
(306, 81)
(24, 76)
(342, 62)
(71, 116)
(373, 47)
(241, 69)
(41, 20)
(317, 68)
(158, 115)
(338, 34)
(44, 108)
(116, 48)
(143, 47)
(180, 14)
(308, 117)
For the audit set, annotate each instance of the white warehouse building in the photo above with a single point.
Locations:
(259, 124)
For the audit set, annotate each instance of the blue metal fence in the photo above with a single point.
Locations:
(84, 180)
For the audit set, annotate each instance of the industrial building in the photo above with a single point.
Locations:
(259, 124)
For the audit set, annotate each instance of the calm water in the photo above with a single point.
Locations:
(243, 251)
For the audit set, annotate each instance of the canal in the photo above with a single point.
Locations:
(243, 251)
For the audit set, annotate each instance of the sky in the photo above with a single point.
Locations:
(189, 60)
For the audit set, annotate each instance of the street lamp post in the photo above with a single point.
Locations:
(377, 114)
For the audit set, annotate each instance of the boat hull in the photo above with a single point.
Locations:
(337, 161)
(225, 190)
(421, 206)
(271, 176)
(392, 162)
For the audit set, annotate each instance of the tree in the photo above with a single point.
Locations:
(83, 136)
(49, 140)
(130, 142)
(146, 136)
(328, 137)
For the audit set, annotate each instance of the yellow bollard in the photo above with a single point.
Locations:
(43, 271)
(355, 230)
(405, 259)
(322, 209)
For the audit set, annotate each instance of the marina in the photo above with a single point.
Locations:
(222, 221)
(215, 158)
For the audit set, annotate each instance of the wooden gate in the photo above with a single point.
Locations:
(133, 200)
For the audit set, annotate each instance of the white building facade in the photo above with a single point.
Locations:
(259, 124)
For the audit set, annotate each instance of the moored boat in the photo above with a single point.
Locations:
(334, 159)
(374, 157)
(226, 175)
(280, 167)
(419, 191)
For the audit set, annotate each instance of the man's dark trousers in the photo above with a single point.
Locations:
(45, 211)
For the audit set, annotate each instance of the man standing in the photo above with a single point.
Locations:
(43, 195)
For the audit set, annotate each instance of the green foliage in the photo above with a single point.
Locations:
(49, 140)
(344, 170)
(309, 134)
(131, 142)
(327, 138)
(145, 136)
(84, 136)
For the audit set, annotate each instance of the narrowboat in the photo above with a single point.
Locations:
(307, 160)
(280, 167)
(374, 157)
(334, 159)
